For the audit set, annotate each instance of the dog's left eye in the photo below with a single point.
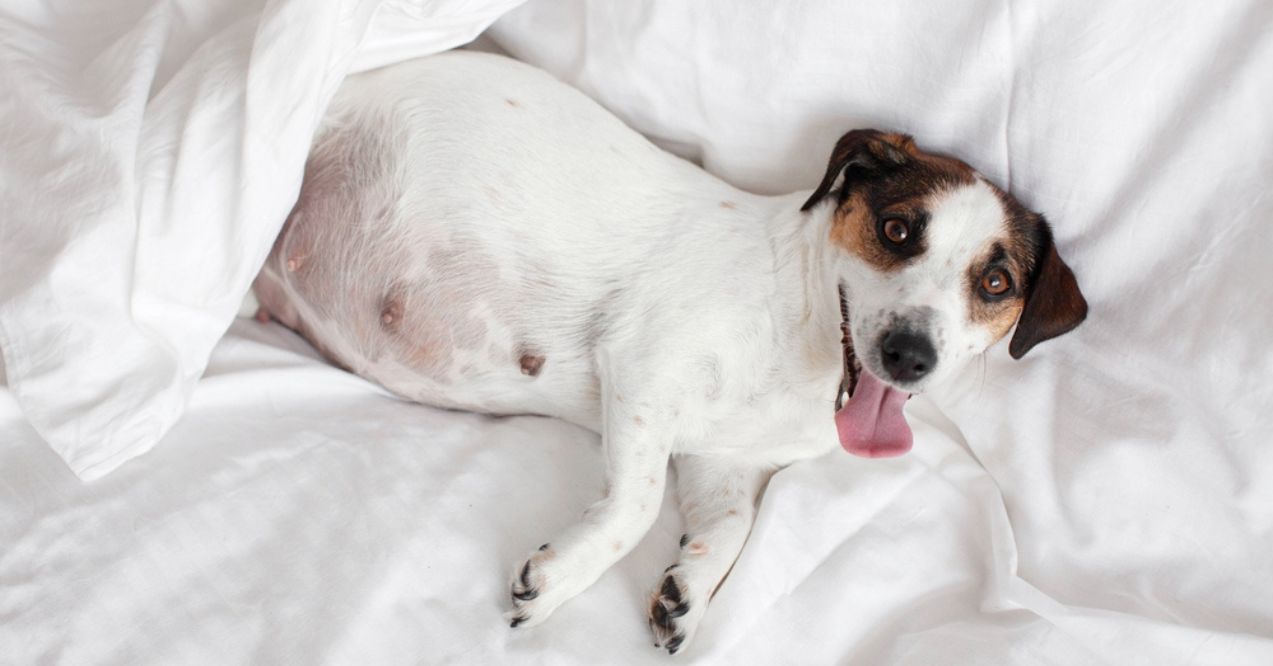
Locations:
(996, 282)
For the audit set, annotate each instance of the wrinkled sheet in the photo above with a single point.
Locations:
(149, 151)
(1108, 500)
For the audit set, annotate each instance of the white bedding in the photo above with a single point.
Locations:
(1107, 500)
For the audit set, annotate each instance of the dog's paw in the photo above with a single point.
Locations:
(674, 611)
(538, 587)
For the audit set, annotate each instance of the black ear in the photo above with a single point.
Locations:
(1053, 303)
(867, 150)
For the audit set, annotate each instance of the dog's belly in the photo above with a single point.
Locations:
(427, 321)
(424, 303)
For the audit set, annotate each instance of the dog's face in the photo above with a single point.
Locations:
(936, 263)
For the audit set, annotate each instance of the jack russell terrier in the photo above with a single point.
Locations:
(474, 234)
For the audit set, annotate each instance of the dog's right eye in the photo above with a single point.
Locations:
(995, 283)
(896, 230)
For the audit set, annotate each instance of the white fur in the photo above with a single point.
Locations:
(678, 316)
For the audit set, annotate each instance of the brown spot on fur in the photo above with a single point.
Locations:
(638, 420)
(512, 102)
(531, 364)
(618, 546)
(1000, 323)
(653, 481)
(733, 512)
(728, 205)
(697, 548)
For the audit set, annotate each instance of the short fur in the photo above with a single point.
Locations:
(473, 234)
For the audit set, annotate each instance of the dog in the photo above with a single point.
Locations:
(474, 234)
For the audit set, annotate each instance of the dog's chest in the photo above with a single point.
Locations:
(765, 417)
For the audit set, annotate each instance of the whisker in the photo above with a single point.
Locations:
(981, 385)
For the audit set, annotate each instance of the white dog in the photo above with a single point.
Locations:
(473, 234)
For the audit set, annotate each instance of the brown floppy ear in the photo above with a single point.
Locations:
(860, 153)
(1053, 303)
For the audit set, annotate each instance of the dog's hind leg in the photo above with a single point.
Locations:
(718, 499)
(637, 439)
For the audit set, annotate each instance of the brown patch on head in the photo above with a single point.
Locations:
(1043, 298)
(531, 364)
(886, 177)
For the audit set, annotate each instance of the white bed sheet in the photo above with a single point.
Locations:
(1109, 500)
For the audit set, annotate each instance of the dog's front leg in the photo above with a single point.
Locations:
(637, 439)
(718, 500)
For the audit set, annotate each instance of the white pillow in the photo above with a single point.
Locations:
(152, 149)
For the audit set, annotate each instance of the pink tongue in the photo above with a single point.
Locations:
(871, 422)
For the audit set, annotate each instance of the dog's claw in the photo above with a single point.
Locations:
(674, 644)
(516, 621)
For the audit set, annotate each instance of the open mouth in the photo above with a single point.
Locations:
(868, 411)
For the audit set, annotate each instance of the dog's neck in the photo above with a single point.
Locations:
(806, 276)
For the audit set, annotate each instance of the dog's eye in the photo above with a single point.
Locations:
(896, 230)
(996, 282)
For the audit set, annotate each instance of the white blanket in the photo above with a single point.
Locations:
(1107, 500)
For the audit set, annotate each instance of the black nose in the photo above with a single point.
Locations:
(907, 356)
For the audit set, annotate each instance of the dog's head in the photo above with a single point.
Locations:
(936, 264)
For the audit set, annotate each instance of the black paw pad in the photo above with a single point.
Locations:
(674, 644)
(670, 590)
